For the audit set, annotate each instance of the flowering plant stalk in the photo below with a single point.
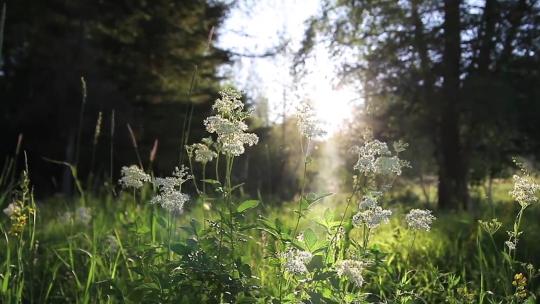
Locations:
(310, 128)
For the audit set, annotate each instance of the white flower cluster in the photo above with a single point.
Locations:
(169, 194)
(12, 209)
(203, 151)
(352, 269)
(374, 157)
(370, 214)
(368, 202)
(418, 219)
(372, 217)
(511, 245)
(133, 177)
(296, 260)
(229, 125)
(309, 125)
(82, 215)
(525, 190)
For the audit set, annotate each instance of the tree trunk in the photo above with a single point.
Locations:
(453, 192)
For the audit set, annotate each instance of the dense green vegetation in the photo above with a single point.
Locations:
(152, 243)
(122, 182)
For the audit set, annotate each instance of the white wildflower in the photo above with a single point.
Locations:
(296, 260)
(203, 153)
(352, 270)
(525, 190)
(83, 215)
(133, 177)
(309, 125)
(367, 202)
(372, 218)
(169, 194)
(418, 219)
(229, 103)
(172, 201)
(229, 124)
(491, 226)
(374, 157)
(511, 245)
(12, 209)
(388, 165)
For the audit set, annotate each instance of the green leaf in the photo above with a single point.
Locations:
(315, 263)
(249, 204)
(237, 186)
(315, 197)
(211, 181)
(310, 238)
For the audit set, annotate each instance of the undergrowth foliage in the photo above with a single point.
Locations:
(155, 243)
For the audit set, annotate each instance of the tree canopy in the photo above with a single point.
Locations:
(459, 75)
(137, 57)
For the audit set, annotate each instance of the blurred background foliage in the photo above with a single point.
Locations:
(457, 80)
(151, 62)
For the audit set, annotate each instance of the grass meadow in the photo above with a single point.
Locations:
(142, 239)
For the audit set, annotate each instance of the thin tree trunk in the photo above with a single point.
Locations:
(452, 188)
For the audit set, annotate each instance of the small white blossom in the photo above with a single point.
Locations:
(172, 201)
(296, 260)
(169, 194)
(203, 153)
(388, 165)
(308, 124)
(83, 215)
(229, 103)
(367, 202)
(524, 191)
(352, 270)
(133, 177)
(511, 245)
(374, 157)
(12, 209)
(372, 218)
(418, 219)
(229, 124)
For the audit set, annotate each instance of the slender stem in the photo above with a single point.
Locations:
(193, 174)
(349, 200)
(228, 186)
(365, 235)
(204, 178)
(517, 224)
(303, 185)
(412, 242)
(217, 166)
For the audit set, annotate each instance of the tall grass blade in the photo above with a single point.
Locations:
(135, 145)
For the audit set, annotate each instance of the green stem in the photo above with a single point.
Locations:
(349, 200)
(228, 186)
(204, 178)
(217, 167)
(193, 174)
(303, 186)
